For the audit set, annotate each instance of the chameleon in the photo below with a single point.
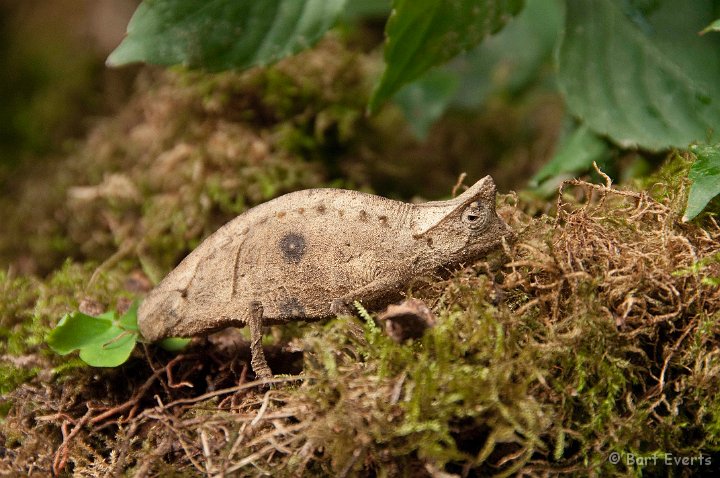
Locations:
(308, 255)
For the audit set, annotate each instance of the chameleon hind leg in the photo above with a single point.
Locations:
(257, 356)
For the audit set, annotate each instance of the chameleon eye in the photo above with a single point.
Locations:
(475, 216)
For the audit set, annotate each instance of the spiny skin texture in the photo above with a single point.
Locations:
(308, 254)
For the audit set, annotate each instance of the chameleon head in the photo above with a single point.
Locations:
(468, 227)
(160, 313)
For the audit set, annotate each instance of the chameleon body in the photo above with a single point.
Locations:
(307, 255)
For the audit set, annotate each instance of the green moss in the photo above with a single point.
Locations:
(560, 385)
(461, 393)
(29, 307)
(12, 376)
(669, 181)
(17, 297)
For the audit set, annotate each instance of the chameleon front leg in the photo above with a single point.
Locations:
(373, 290)
(257, 356)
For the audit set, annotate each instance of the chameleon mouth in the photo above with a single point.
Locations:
(157, 317)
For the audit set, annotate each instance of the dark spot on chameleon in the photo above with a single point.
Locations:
(301, 210)
(292, 246)
(280, 214)
(383, 220)
(183, 293)
(363, 216)
(320, 208)
(341, 213)
(291, 308)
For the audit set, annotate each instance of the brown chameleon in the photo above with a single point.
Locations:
(307, 255)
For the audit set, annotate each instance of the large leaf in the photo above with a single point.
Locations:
(223, 34)
(496, 65)
(713, 27)
(513, 58)
(650, 83)
(425, 100)
(425, 33)
(366, 8)
(575, 154)
(705, 175)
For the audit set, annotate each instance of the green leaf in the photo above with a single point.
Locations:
(129, 319)
(366, 8)
(713, 27)
(650, 83)
(426, 33)
(174, 344)
(510, 60)
(425, 100)
(112, 352)
(223, 34)
(496, 65)
(103, 341)
(576, 154)
(705, 175)
(78, 330)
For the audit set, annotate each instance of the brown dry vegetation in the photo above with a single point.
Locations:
(596, 332)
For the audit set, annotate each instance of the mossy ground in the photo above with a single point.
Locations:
(596, 332)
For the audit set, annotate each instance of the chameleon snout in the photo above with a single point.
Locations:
(158, 315)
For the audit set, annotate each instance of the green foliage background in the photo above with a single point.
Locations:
(636, 73)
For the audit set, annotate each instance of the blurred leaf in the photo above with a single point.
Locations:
(426, 99)
(705, 175)
(174, 344)
(223, 34)
(496, 64)
(511, 59)
(576, 154)
(652, 86)
(713, 27)
(426, 33)
(366, 8)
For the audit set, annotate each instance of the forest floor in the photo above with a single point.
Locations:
(594, 336)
